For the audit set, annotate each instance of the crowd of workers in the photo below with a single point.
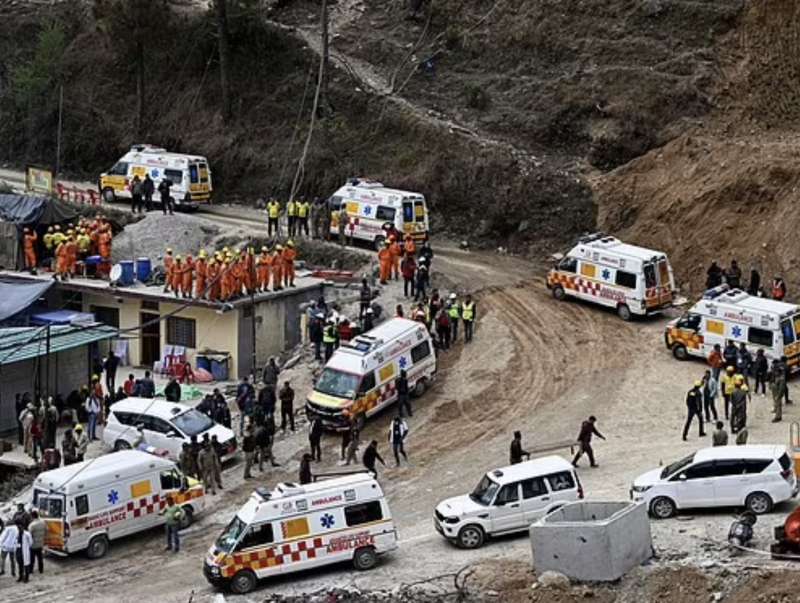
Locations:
(732, 276)
(70, 249)
(22, 541)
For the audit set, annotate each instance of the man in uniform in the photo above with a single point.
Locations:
(177, 276)
(329, 338)
(201, 270)
(262, 270)
(168, 269)
(364, 298)
(186, 461)
(289, 256)
(738, 405)
(777, 385)
(342, 223)
(277, 268)
(273, 213)
(385, 262)
(395, 253)
(468, 316)
(29, 245)
(286, 397)
(291, 216)
(694, 407)
(187, 276)
(205, 463)
(454, 312)
(303, 209)
(212, 273)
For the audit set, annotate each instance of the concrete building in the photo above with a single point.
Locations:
(150, 320)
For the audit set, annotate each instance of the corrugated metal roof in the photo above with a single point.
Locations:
(24, 343)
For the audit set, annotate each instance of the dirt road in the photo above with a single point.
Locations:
(535, 365)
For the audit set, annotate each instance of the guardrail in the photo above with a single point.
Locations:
(76, 194)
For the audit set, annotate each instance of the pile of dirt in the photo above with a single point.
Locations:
(151, 236)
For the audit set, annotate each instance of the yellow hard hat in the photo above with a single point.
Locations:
(225, 250)
(386, 243)
(738, 379)
(745, 388)
(177, 257)
(202, 253)
(730, 369)
(95, 378)
(79, 427)
(698, 383)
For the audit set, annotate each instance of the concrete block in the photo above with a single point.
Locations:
(593, 541)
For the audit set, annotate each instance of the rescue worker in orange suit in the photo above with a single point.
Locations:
(289, 256)
(409, 247)
(72, 254)
(225, 280)
(778, 288)
(214, 285)
(29, 245)
(385, 262)
(277, 268)
(177, 276)
(237, 276)
(394, 249)
(104, 243)
(201, 271)
(250, 270)
(264, 267)
(187, 276)
(62, 260)
(169, 261)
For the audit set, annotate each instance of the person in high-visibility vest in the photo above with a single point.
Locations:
(273, 213)
(289, 256)
(47, 239)
(454, 312)
(329, 339)
(291, 216)
(277, 268)
(385, 262)
(303, 209)
(778, 288)
(29, 245)
(468, 313)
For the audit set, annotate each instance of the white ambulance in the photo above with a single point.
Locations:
(726, 314)
(371, 207)
(88, 504)
(293, 528)
(359, 379)
(604, 270)
(189, 174)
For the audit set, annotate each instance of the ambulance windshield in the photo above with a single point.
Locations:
(337, 383)
(484, 493)
(231, 535)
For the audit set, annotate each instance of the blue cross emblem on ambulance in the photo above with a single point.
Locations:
(113, 497)
(154, 173)
(606, 274)
(367, 210)
(327, 521)
(402, 362)
(736, 331)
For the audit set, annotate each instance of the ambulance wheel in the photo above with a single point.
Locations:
(470, 537)
(98, 547)
(121, 445)
(365, 558)
(558, 293)
(679, 351)
(379, 241)
(624, 312)
(244, 582)
(188, 517)
(419, 388)
(108, 195)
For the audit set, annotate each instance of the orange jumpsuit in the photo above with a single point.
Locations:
(201, 270)
(264, 266)
(30, 249)
(249, 276)
(215, 285)
(62, 262)
(227, 281)
(72, 255)
(186, 277)
(104, 245)
(176, 277)
(277, 270)
(385, 262)
(289, 255)
(394, 250)
(408, 245)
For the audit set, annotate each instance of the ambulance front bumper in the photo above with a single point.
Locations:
(331, 418)
(213, 574)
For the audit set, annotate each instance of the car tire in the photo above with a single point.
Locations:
(121, 445)
(188, 517)
(419, 388)
(759, 503)
(624, 312)
(98, 547)
(471, 537)
(679, 352)
(108, 195)
(662, 507)
(559, 293)
(243, 582)
(365, 558)
(378, 243)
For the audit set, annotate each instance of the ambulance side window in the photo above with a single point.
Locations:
(362, 513)
(256, 535)
(385, 214)
(81, 504)
(170, 480)
(120, 169)
(759, 336)
(788, 333)
(649, 276)
(625, 279)
(420, 351)
(568, 265)
(176, 176)
(690, 321)
(367, 383)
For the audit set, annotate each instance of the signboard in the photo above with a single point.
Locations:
(39, 180)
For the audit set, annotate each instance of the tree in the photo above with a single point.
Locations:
(221, 7)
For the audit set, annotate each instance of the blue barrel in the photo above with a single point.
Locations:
(143, 269)
(127, 272)
(219, 369)
(203, 363)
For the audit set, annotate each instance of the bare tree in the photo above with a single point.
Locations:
(221, 7)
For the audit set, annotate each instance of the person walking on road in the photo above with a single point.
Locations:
(715, 361)
(468, 317)
(401, 387)
(398, 431)
(271, 373)
(265, 436)
(315, 438)
(352, 446)
(588, 429)
(174, 515)
(760, 370)
(720, 436)
(710, 388)
(287, 406)
(694, 408)
(777, 385)
(23, 552)
(364, 299)
(205, 464)
(516, 452)
(371, 455)
(8, 547)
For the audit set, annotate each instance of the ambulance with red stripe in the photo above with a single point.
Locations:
(293, 528)
(604, 270)
(86, 505)
(359, 379)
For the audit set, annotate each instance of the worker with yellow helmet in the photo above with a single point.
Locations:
(289, 255)
(277, 268)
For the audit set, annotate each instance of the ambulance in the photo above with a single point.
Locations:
(87, 505)
(725, 314)
(604, 270)
(293, 528)
(371, 207)
(189, 174)
(359, 379)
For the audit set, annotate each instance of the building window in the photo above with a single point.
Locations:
(181, 331)
(149, 305)
(106, 315)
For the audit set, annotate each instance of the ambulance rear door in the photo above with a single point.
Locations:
(52, 509)
(790, 333)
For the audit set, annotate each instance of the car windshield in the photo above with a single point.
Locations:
(230, 535)
(337, 383)
(484, 493)
(676, 466)
(192, 422)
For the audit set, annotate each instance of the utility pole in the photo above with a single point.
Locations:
(58, 134)
(139, 77)
(224, 57)
(325, 56)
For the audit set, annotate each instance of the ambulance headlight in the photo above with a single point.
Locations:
(214, 570)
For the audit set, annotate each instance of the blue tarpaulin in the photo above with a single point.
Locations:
(15, 296)
(61, 317)
(32, 209)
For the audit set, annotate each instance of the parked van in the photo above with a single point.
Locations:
(508, 500)
(754, 477)
(606, 271)
(165, 425)
(726, 314)
(370, 206)
(293, 528)
(189, 174)
(359, 379)
(89, 504)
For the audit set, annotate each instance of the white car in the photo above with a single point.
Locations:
(508, 500)
(165, 425)
(755, 477)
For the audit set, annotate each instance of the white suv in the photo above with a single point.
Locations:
(508, 500)
(165, 425)
(755, 477)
